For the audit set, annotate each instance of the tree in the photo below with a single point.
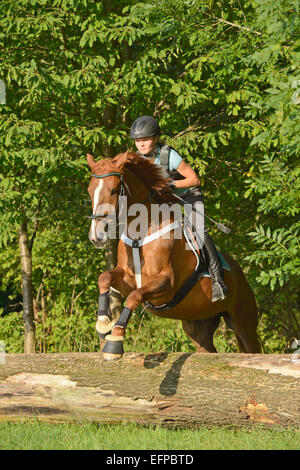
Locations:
(274, 178)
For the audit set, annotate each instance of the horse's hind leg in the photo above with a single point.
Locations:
(243, 313)
(248, 338)
(245, 326)
(229, 325)
(201, 332)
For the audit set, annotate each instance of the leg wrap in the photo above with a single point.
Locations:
(103, 304)
(122, 322)
(124, 317)
(105, 322)
(112, 348)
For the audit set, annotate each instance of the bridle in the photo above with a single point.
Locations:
(122, 192)
(124, 189)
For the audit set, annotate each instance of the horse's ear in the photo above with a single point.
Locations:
(90, 160)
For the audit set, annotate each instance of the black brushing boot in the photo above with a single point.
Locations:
(104, 322)
(113, 348)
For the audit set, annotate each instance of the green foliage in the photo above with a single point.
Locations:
(281, 244)
(146, 332)
(12, 333)
(223, 80)
(65, 296)
(274, 178)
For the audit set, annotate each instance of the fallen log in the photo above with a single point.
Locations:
(168, 389)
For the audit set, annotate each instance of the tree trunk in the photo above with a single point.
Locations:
(28, 310)
(169, 389)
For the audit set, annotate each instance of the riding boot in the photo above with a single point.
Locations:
(215, 269)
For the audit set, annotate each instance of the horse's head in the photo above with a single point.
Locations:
(108, 183)
(104, 190)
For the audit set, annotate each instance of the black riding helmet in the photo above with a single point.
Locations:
(144, 126)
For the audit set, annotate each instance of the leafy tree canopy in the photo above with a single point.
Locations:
(221, 77)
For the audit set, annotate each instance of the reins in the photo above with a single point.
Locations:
(107, 174)
(152, 191)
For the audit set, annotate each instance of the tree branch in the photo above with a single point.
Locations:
(213, 122)
(220, 20)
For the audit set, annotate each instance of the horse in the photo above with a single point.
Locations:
(152, 270)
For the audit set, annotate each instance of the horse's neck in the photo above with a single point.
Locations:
(139, 195)
(138, 191)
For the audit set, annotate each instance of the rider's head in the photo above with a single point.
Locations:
(145, 131)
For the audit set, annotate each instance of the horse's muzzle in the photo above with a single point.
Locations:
(98, 242)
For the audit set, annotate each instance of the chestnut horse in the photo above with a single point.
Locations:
(164, 263)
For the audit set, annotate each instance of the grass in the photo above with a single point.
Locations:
(36, 435)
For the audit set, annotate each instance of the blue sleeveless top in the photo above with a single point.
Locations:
(174, 160)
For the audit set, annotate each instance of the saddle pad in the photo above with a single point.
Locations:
(193, 245)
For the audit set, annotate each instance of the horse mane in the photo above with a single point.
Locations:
(147, 171)
(152, 176)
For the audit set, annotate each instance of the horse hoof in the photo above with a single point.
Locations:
(113, 350)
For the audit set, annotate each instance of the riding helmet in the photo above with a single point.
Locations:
(144, 126)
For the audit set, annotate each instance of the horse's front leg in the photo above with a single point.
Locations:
(114, 346)
(105, 318)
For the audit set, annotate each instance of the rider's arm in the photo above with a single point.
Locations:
(190, 177)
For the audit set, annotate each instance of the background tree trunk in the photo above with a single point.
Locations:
(168, 389)
(28, 310)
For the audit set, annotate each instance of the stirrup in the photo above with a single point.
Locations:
(218, 292)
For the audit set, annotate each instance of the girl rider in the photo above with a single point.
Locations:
(185, 183)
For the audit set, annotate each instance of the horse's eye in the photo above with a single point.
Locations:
(114, 191)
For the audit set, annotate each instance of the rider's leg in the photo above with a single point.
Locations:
(219, 289)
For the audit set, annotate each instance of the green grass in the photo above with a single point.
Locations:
(36, 435)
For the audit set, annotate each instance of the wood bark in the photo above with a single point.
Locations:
(28, 310)
(169, 389)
